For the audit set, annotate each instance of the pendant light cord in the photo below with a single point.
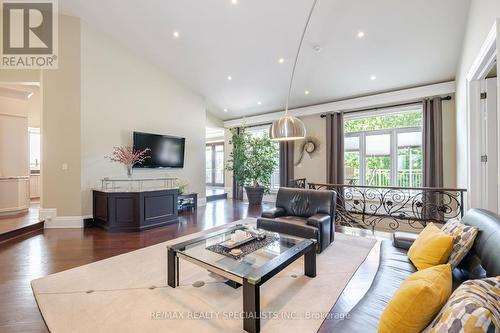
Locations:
(297, 56)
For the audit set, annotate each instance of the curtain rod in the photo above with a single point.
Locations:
(447, 98)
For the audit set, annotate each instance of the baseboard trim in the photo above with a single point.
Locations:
(72, 222)
(47, 214)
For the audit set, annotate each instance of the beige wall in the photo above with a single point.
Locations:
(482, 16)
(14, 144)
(95, 99)
(313, 167)
(60, 90)
(449, 144)
(121, 93)
(213, 122)
(35, 107)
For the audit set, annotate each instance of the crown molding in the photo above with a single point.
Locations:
(377, 100)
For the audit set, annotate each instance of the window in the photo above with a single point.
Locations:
(261, 131)
(34, 148)
(384, 150)
(214, 157)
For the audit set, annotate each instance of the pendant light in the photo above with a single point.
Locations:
(288, 128)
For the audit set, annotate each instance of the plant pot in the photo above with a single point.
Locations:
(255, 194)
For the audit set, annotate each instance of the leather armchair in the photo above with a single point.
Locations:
(303, 213)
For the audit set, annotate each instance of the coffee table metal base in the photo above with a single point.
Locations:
(251, 284)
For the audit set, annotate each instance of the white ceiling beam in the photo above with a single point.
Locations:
(378, 100)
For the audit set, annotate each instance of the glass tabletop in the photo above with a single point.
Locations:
(247, 265)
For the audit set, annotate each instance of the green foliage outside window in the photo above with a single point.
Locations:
(397, 120)
(378, 167)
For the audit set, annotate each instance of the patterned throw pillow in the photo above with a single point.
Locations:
(473, 308)
(463, 239)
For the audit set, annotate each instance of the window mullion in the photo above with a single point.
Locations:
(362, 158)
(394, 158)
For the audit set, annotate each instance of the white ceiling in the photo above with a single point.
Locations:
(407, 43)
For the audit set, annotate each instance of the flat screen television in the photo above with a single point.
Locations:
(166, 151)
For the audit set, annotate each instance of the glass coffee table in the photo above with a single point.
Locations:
(250, 271)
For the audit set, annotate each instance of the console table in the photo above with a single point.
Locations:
(134, 210)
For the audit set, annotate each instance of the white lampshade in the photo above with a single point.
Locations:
(287, 128)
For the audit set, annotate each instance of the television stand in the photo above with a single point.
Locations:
(135, 210)
(187, 202)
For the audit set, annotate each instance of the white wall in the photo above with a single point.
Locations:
(121, 93)
(482, 15)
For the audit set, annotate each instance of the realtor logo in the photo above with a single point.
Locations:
(29, 34)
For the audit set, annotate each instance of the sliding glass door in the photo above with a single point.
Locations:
(214, 154)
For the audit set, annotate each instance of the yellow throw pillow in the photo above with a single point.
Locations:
(419, 298)
(432, 247)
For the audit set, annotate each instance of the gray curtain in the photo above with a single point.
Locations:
(432, 145)
(286, 162)
(335, 148)
(237, 188)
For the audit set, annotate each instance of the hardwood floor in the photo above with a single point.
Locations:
(24, 221)
(53, 250)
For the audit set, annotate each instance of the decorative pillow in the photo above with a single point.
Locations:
(473, 308)
(417, 301)
(463, 239)
(432, 247)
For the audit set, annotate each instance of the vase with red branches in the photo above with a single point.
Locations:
(128, 156)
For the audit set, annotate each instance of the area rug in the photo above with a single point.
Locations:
(128, 293)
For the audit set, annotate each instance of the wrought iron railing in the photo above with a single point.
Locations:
(394, 208)
(297, 183)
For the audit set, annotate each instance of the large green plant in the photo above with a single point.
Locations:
(253, 159)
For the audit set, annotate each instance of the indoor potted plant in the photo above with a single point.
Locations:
(253, 161)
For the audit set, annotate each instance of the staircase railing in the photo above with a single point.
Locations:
(391, 208)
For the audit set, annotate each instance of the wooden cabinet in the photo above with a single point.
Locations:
(135, 211)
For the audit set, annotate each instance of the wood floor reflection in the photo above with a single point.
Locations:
(49, 251)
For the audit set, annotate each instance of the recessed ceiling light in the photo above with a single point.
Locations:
(373, 77)
(259, 103)
(306, 92)
(225, 110)
(229, 77)
(361, 34)
(281, 60)
(176, 34)
(234, 2)
(317, 48)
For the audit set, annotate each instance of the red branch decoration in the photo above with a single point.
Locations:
(128, 156)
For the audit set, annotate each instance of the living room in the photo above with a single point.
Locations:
(235, 165)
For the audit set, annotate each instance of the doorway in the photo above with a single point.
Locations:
(215, 164)
(483, 128)
(489, 144)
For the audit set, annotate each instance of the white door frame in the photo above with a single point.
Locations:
(484, 62)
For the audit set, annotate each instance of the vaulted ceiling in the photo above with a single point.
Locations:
(405, 44)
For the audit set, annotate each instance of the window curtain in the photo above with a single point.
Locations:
(432, 145)
(286, 162)
(433, 142)
(335, 148)
(237, 188)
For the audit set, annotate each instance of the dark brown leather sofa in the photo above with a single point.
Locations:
(482, 261)
(303, 213)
